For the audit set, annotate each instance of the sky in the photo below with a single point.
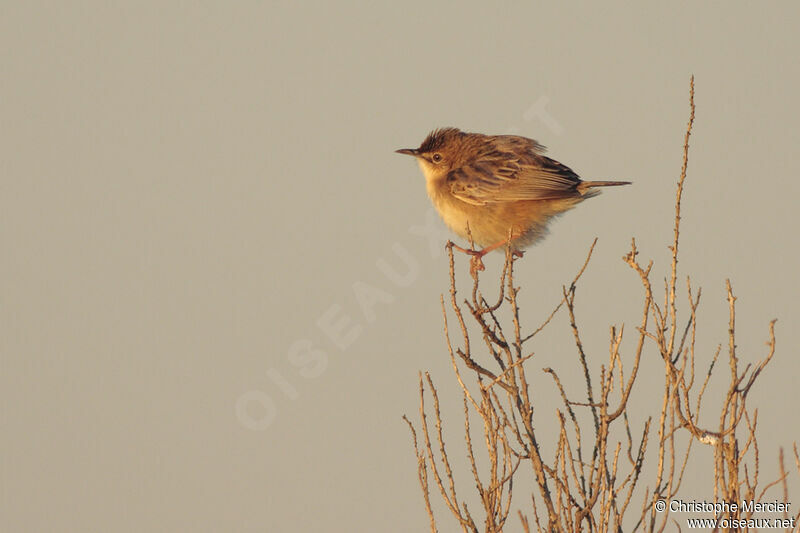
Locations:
(219, 282)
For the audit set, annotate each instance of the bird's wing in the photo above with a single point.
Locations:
(512, 169)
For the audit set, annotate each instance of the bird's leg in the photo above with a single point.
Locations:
(476, 262)
(494, 247)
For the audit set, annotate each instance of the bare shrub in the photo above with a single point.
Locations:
(604, 473)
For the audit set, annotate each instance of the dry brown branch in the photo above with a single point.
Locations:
(422, 471)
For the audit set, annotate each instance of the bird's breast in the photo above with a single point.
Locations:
(457, 215)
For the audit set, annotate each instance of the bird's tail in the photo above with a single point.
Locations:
(589, 184)
(587, 188)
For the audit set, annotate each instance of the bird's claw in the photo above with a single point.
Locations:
(476, 264)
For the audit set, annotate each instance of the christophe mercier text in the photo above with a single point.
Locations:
(747, 506)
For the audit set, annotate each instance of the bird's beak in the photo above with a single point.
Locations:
(408, 151)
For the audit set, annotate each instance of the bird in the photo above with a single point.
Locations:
(490, 189)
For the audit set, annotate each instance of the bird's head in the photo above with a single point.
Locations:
(438, 153)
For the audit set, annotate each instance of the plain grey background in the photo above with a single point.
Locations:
(188, 189)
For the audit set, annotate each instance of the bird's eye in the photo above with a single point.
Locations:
(436, 158)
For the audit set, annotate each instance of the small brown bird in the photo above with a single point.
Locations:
(497, 185)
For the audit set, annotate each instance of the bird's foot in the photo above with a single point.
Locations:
(476, 263)
(476, 259)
